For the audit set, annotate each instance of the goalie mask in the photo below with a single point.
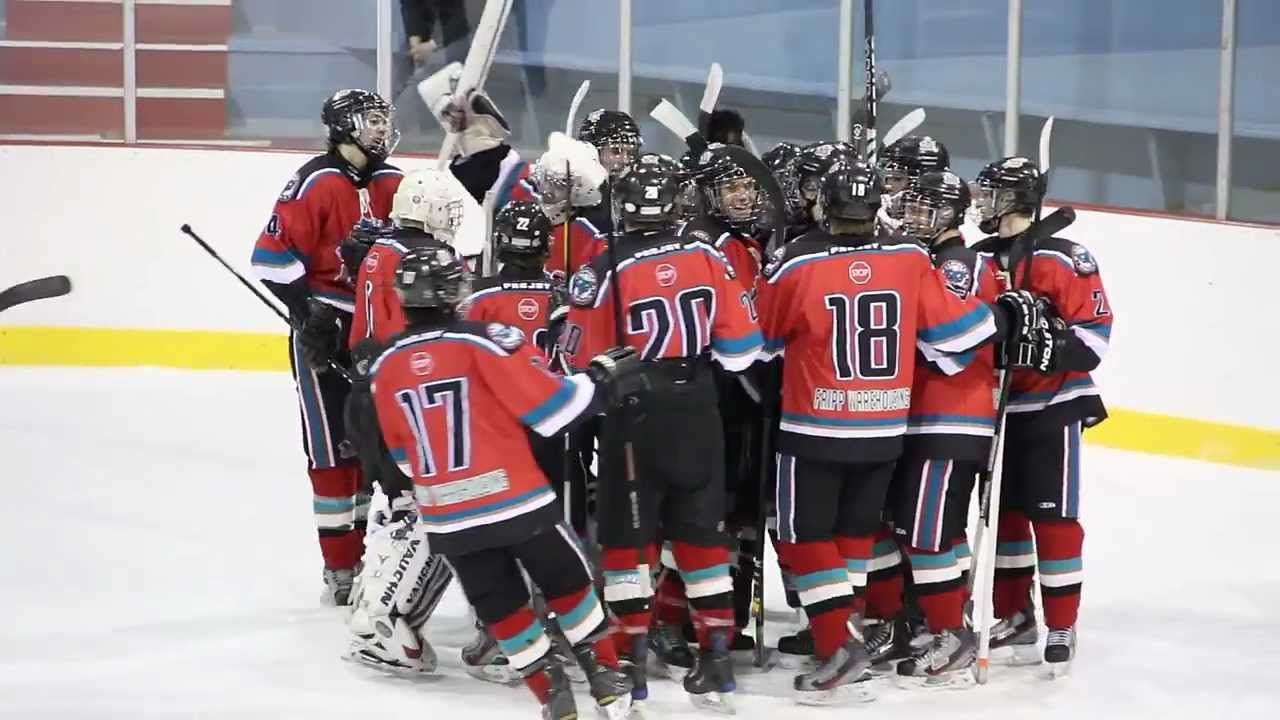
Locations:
(473, 116)
(935, 204)
(363, 119)
(431, 200)
(568, 174)
(1012, 185)
(615, 136)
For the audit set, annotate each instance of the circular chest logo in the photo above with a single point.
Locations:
(666, 275)
(860, 272)
(421, 363)
(527, 308)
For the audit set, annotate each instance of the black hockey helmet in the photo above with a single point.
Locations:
(521, 231)
(781, 161)
(647, 194)
(431, 277)
(616, 137)
(903, 162)
(363, 119)
(730, 194)
(850, 190)
(780, 155)
(726, 127)
(1013, 184)
(936, 203)
(814, 160)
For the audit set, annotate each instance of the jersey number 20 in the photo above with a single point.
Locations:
(864, 342)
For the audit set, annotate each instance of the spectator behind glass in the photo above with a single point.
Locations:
(420, 20)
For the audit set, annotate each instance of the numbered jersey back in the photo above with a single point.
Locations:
(849, 319)
(678, 299)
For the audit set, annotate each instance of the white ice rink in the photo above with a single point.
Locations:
(157, 559)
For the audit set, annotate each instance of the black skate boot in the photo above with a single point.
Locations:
(710, 684)
(1013, 639)
(796, 651)
(610, 688)
(888, 642)
(944, 663)
(1059, 651)
(483, 659)
(559, 704)
(833, 681)
(670, 650)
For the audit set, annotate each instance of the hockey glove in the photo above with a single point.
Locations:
(321, 334)
(618, 373)
(1023, 313)
(356, 245)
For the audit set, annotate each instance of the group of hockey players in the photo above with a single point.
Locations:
(585, 421)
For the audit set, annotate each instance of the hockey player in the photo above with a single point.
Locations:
(901, 164)
(297, 258)
(781, 161)
(1048, 408)
(617, 140)
(949, 431)
(849, 312)
(662, 463)
(452, 398)
(726, 127)
(570, 182)
(810, 165)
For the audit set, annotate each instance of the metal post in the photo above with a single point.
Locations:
(130, 68)
(624, 56)
(844, 73)
(383, 53)
(1226, 107)
(1013, 79)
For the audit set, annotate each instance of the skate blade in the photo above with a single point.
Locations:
(1016, 655)
(618, 709)
(721, 703)
(362, 658)
(958, 679)
(499, 674)
(1055, 671)
(842, 695)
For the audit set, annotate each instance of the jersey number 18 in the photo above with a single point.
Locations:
(865, 342)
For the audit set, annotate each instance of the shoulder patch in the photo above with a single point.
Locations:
(775, 260)
(958, 276)
(583, 287)
(508, 337)
(699, 235)
(1083, 260)
(291, 188)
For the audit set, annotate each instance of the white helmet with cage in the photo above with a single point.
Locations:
(568, 174)
(429, 199)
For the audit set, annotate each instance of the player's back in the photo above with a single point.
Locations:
(525, 304)
(849, 315)
(378, 313)
(585, 244)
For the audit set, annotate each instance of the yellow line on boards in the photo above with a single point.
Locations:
(226, 350)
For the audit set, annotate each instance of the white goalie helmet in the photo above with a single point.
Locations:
(568, 174)
(432, 200)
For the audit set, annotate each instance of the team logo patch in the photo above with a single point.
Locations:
(421, 363)
(859, 272)
(583, 286)
(527, 308)
(290, 187)
(1084, 262)
(775, 260)
(371, 262)
(958, 277)
(665, 275)
(506, 336)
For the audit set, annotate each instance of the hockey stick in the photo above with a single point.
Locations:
(908, 124)
(578, 97)
(710, 96)
(989, 506)
(38, 289)
(566, 473)
(873, 86)
(186, 230)
(484, 43)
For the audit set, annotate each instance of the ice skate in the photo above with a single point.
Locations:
(633, 662)
(559, 704)
(835, 681)
(395, 648)
(338, 583)
(610, 688)
(1060, 651)
(888, 642)
(1013, 639)
(795, 652)
(670, 651)
(711, 684)
(483, 660)
(945, 663)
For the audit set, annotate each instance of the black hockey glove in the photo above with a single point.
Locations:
(617, 373)
(356, 245)
(1019, 313)
(321, 335)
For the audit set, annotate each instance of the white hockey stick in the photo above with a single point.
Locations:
(908, 124)
(484, 43)
(578, 97)
(750, 144)
(670, 117)
(710, 96)
(1046, 138)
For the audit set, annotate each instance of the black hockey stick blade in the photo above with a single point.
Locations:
(38, 289)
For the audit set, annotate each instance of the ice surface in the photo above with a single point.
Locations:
(158, 560)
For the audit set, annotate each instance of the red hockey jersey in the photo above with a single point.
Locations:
(745, 254)
(847, 317)
(1067, 274)
(317, 209)
(679, 300)
(953, 415)
(525, 304)
(453, 403)
(585, 243)
(378, 313)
